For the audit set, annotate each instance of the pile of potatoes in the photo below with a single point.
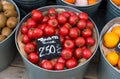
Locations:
(8, 19)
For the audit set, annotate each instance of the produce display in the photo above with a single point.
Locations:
(8, 19)
(110, 45)
(76, 32)
(81, 2)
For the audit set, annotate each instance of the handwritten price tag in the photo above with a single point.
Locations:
(49, 47)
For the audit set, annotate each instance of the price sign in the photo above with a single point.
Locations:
(49, 47)
(118, 47)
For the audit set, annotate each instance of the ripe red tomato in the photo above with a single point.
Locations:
(24, 29)
(33, 57)
(66, 54)
(83, 16)
(29, 48)
(53, 61)
(41, 62)
(81, 24)
(25, 39)
(87, 32)
(67, 37)
(80, 41)
(67, 25)
(72, 13)
(47, 65)
(52, 16)
(52, 11)
(53, 23)
(37, 33)
(59, 66)
(66, 14)
(73, 33)
(71, 63)
(78, 53)
(49, 31)
(42, 26)
(69, 44)
(36, 15)
(61, 19)
(31, 23)
(90, 41)
(86, 53)
(30, 33)
(73, 19)
(90, 24)
(63, 31)
(45, 19)
(61, 60)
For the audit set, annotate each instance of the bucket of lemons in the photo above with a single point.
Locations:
(109, 66)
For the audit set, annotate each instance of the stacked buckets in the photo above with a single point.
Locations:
(90, 9)
(112, 11)
(28, 5)
(106, 70)
(8, 49)
(36, 72)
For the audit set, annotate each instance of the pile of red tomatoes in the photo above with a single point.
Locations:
(74, 29)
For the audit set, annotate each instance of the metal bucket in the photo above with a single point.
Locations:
(106, 70)
(36, 72)
(90, 9)
(28, 5)
(8, 49)
(112, 11)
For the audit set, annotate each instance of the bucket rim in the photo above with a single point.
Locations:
(101, 35)
(114, 4)
(18, 12)
(66, 70)
(98, 2)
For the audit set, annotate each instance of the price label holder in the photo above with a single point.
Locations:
(117, 48)
(49, 47)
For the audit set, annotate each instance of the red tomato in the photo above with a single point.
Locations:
(73, 33)
(61, 19)
(41, 62)
(78, 53)
(62, 39)
(80, 41)
(83, 16)
(53, 23)
(52, 11)
(67, 25)
(86, 32)
(69, 44)
(30, 33)
(29, 48)
(66, 14)
(33, 57)
(72, 13)
(42, 26)
(71, 63)
(36, 15)
(31, 23)
(90, 24)
(66, 54)
(25, 39)
(53, 61)
(45, 19)
(52, 16)
(86, 53)
(61, 60)
(73, 19)
(47, 65)
(81, 24)
(90, 41)
(67, 37)
(59, 66)
(63, 31)
(56, 31)
(37, 33)
(49, 31)
(24, 29)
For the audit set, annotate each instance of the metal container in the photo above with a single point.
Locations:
(8, 49)
(90, 9)
(28, 5)
(112, 11)
(106, 70)
(36, 72)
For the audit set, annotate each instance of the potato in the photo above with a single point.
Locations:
(12, 22)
